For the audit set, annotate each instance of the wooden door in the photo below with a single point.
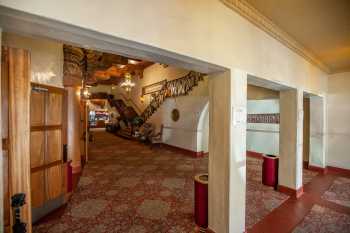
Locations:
(46, 149)
(5, 136)
(15, 93)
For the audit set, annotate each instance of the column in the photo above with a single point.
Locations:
(291, 142)
(227, 166)
(317, 156)
(73, 132)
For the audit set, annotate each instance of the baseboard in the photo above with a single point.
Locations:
(339, 170)
(305, 164)
(291, 192)
(210, 231)
(191, 153)
(254, 154)
(317, 169)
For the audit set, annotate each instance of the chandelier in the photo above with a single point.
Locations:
(127, 84)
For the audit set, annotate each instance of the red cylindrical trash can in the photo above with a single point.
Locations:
(201, 200)
(270, 170)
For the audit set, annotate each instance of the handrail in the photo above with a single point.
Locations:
(177, 87)
(128, 101)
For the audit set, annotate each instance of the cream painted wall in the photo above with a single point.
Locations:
(46, 58)
(190, 131)
(203, 29)
(263, 138)
(185, 132)
(207, 30)
(152, 74)
(203, 130)
(338, 116)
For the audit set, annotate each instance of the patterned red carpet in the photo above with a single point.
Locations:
(324, 220)
(261, 199)
(128, 188)
(339, 192)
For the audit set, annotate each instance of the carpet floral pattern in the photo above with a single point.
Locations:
(339, 192)
(324, 220)
(308, 176)
(260, 199)
(126, 187)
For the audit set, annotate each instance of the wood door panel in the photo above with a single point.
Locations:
(5, 133)
(54, 146)
(54, 109)
(37, 108)
(54, 181)
(38, 188)
(6, 186)
(19, 121)
(37, 149)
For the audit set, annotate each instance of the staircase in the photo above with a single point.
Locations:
(126, 112)
(177, 87)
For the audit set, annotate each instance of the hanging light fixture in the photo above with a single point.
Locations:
(127, 84)
(84, 91)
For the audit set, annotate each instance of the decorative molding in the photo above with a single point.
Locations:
(338, 170)
(254, 154)
(291, 192)
(262, 131)
(254, 16)
(317, 169)
(266, 118)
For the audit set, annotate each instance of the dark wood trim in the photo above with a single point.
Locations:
(317, 169)
(340, 171)
(254, 154)
(306, 165)
(5, 144)
(291, 192)
(45, 127)
(45, 166)
(191, 153)
(50, 89)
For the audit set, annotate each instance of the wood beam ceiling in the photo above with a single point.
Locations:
(102, 68)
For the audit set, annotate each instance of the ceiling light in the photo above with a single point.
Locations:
(133, 62)
(127, 84)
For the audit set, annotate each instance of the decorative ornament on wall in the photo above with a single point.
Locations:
(175, 114)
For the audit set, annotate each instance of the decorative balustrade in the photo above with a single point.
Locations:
(178, 87)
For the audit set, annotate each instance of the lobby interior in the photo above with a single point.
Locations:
(117, 121)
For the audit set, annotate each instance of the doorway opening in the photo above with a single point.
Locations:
(265, 101)
(149, 176)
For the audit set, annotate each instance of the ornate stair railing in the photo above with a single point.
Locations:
(177, 87)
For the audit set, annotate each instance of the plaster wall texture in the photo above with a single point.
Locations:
(317, 144)
(192, 129)
(209, 31)
(291, 139)
(338, 115)
(261, 137)
(199, 29)
(46, 58)
(188, 131)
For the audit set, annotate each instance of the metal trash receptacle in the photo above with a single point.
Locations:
(201, 200)
(270, 170)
